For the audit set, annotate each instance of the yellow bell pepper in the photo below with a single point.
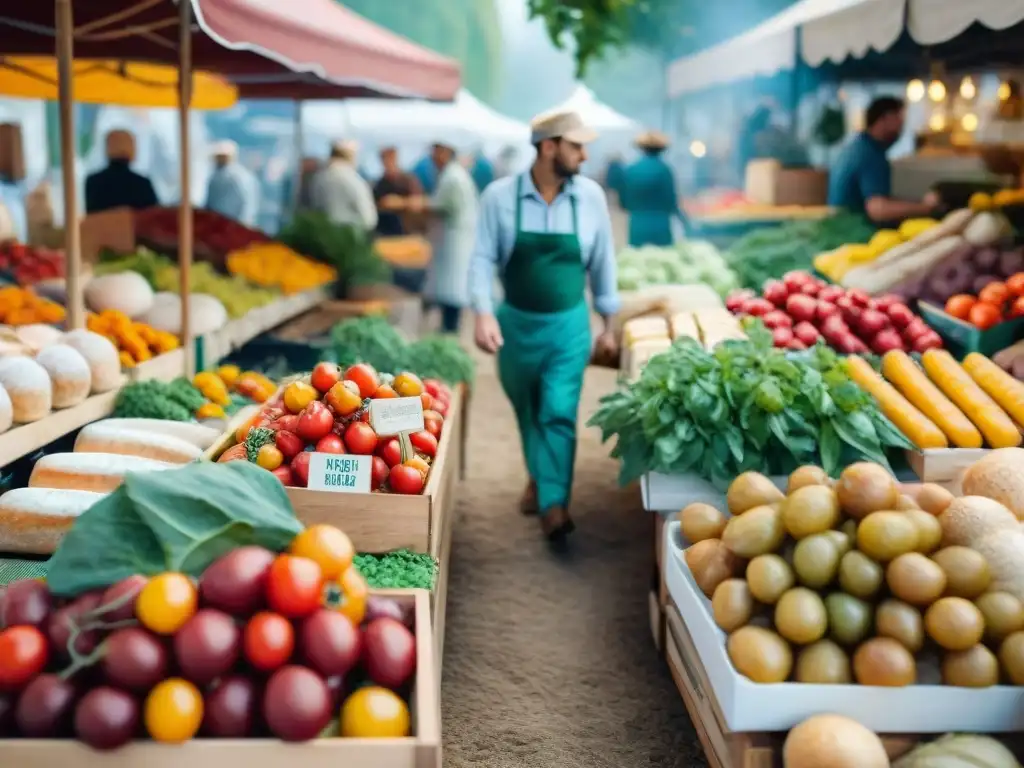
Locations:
(210, 411)
(212, 387)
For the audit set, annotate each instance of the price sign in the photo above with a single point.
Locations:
(341, 473)
(396, 415)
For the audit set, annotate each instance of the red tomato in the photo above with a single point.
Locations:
(365, 377)
(315, 421)
(424, 442)
(379, 473)
(325, 376)
(433, 387)
(1016, 284)
(1017, 309)
(294, 586)
(984, 315)
(289, 444)
(996, 294)
(300, 469)
(288, 423)
(23, 655)
(384, 392)
(360, 438)
(406, 480)
(330, 444)
(391, 452)
(433, 422)
(427, 400)
(268, 641)
(441, 406)
(284, 474)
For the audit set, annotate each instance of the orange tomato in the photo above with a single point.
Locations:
(384, 392)
(984, 315)
(408, 384)
(416, 462)
(1016, 284)
(1017, 309)
(959, 306)
(327, 546)
(354, 592)
(994, 293)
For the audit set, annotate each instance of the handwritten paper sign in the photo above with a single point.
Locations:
(341, 473)
(396, 415)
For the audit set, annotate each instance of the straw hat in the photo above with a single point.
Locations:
(120, 145)
(652, 140)
(224, 149)
(561, 125)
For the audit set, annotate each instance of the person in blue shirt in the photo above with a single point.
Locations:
(482, 171)
(649, 193)
(615, 175)
(546, 233)
(426, 172)
(233, 189)
(861, 177)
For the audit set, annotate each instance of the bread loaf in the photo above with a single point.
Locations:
(97, 472)
(34, 520)
(6, 411)
(37, 336)
(69, 374)
(100, 354)
(199, 435)
(103, 437)
(28, 386)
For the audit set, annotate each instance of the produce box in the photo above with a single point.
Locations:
(749, 706)
(963, 338)
(944, 466)
(667, 494)
(422, 750)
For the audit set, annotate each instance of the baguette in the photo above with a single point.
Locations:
(199, 435)
(102, 437)
(34, 520)
(97, 472)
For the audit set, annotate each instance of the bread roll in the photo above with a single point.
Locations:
(101, 356)
(28, 386)
(97, 472)
(6, 411)
(199, 435)
(102, 437)
(34, 520)
(69, 374)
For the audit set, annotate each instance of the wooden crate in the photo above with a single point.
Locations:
(944, 466)
(382, 522)
(658, 596)
(405, 313)
(421, 750)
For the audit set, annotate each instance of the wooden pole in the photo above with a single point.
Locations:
(72, 236)
(299, 152)
(185, 208)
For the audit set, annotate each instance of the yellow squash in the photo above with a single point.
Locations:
(1007, 391)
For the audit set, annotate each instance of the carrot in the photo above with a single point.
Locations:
(914, 385)
(910, 421)
(1007, 391)
(998, 429)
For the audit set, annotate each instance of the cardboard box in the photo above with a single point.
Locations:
(668, 494)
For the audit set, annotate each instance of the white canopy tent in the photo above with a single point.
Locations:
(595, 114)
(833, 30)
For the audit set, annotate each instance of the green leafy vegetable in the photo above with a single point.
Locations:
(172, 520)
(687, 262)
(401, 569)
(745, 406)
(149, 400)
(346, 248)
(256, 439)
(440, 357)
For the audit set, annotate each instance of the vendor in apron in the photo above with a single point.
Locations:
(546, 233)
(649, 194)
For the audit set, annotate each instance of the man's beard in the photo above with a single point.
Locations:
(563, 171)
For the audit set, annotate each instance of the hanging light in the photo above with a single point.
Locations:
(969, 122)
(1004, 91)
(936, 90)
(697, 149)
(915, 90)
(937, 122)
(968, 89)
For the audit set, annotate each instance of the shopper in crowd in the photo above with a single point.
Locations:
(481, 170)
(506, 163)
(117, 185)
(298, 200)
(453, 208)
(545, 232)
(340, 193)
(649, 193)
(861, 177)
(233, 190)
(748, 145)
(426, 172)
(614, 176)
(393, 192)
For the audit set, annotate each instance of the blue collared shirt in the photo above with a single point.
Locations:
(497, 227)
(861, 171)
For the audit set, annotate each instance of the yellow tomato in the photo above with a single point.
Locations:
(327, 546)
(298, 395)
(269, 457)
(353, 595)
(407, 385)
(374, 713)
(418, 462)
(173, 711)
(229, 374)
(166, 603)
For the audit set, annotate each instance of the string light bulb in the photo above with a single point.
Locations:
(1004, 91)
(937, 122)
(936, 90)
(915, 90)
(968, 89)
(698, 149)
(969, 122)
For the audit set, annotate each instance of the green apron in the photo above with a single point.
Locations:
(545, 323)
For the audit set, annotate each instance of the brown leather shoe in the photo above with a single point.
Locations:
(556, 524)
(528, 505)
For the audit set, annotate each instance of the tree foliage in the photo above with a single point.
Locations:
(468, 31)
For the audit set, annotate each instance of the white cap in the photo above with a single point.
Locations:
(224, 148)
(561, 125)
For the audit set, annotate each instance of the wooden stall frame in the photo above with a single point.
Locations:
(422, 750)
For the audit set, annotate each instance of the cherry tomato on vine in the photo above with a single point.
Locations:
(268, 641)
(166, 603)
(326, 546)
(294, 586)
(23, 655)
(173, 711)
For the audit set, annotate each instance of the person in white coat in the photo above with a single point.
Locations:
(341, 193)
(233, 190)
(453, 232)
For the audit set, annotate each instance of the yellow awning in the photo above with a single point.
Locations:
(125, 83)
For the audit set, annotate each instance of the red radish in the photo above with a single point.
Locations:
(831, 293)
(927, 340)
(777, 319)
(885, 341)
(883, 303)
(806, 333)
(776, 292)
(916, 328)
(900, 315)
(796, 344)
(756, 307)
(801, 308)
(825, 310)
(859, 297)
(851, 345)
(796, 279)
(733, 302)
(781, 336)
(871, 322)
(810, 289)
(833, 328)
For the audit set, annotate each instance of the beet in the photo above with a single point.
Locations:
(985, 260)
(1010, 263)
